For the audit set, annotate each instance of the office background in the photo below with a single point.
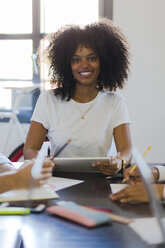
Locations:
(143, 22)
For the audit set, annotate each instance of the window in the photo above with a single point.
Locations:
(16, 48)
(24, 24)
(56, 13)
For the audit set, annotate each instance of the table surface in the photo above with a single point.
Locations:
(44, 230)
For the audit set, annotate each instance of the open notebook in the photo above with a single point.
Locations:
(48, 191)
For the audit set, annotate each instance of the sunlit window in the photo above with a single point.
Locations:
(56, 13)
(23, 23)
(16, 16)
(15, 59)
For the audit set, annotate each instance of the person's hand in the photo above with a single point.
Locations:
(132, 177)
(109, 168)
(135, 193)
(131, 194)
(25, 179)
(46, 171)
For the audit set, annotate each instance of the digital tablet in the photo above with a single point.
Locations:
(78, 164)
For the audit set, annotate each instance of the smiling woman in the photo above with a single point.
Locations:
(87, 64)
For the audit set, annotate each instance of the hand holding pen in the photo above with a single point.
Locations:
(131, 174)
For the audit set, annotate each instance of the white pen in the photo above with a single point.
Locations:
(37, 167)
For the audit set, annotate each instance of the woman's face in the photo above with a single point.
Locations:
(85, 65)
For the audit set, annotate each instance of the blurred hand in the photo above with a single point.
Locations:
(131, 194)
(25, 179)
(135, 193)
(46, 171)
(132, 177)
(109, 168)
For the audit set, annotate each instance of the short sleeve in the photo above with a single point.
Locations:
(40, 110)
(161, 169)
(4, 160)
(121, 112)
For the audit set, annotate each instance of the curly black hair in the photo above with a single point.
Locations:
(108, 42)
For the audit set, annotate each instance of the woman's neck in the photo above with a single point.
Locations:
(85, 95)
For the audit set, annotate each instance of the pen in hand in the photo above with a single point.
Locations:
(134, 167)
(61, 149)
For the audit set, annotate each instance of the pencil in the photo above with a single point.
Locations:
(61, 149)
(134, 167)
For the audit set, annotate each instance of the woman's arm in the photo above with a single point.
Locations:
(123, 144)
(35, 138)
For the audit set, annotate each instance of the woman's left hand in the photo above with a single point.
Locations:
(109, 168)
(131, 194)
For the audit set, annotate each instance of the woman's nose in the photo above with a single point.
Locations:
(84, 63)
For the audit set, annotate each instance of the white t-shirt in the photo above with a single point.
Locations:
(4, 160)
(91, 136)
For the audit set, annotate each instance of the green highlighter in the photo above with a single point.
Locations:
(14, 211)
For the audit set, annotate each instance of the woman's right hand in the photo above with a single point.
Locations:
(132, 177)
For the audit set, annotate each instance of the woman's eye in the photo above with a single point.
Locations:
(75, 60)
(92, 58)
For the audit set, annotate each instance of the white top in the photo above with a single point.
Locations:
(161, 169)
(4, 160)
(91, 136)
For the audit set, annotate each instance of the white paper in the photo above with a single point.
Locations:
(44, 192)
(148, 229)
(58, 183)
(115, 187)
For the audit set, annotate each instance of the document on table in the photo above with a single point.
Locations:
(115, 187)
(58, 183)
(41, 193)
(47, 191)
(148, 229)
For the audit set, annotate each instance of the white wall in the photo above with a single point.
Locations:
(143, 21)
